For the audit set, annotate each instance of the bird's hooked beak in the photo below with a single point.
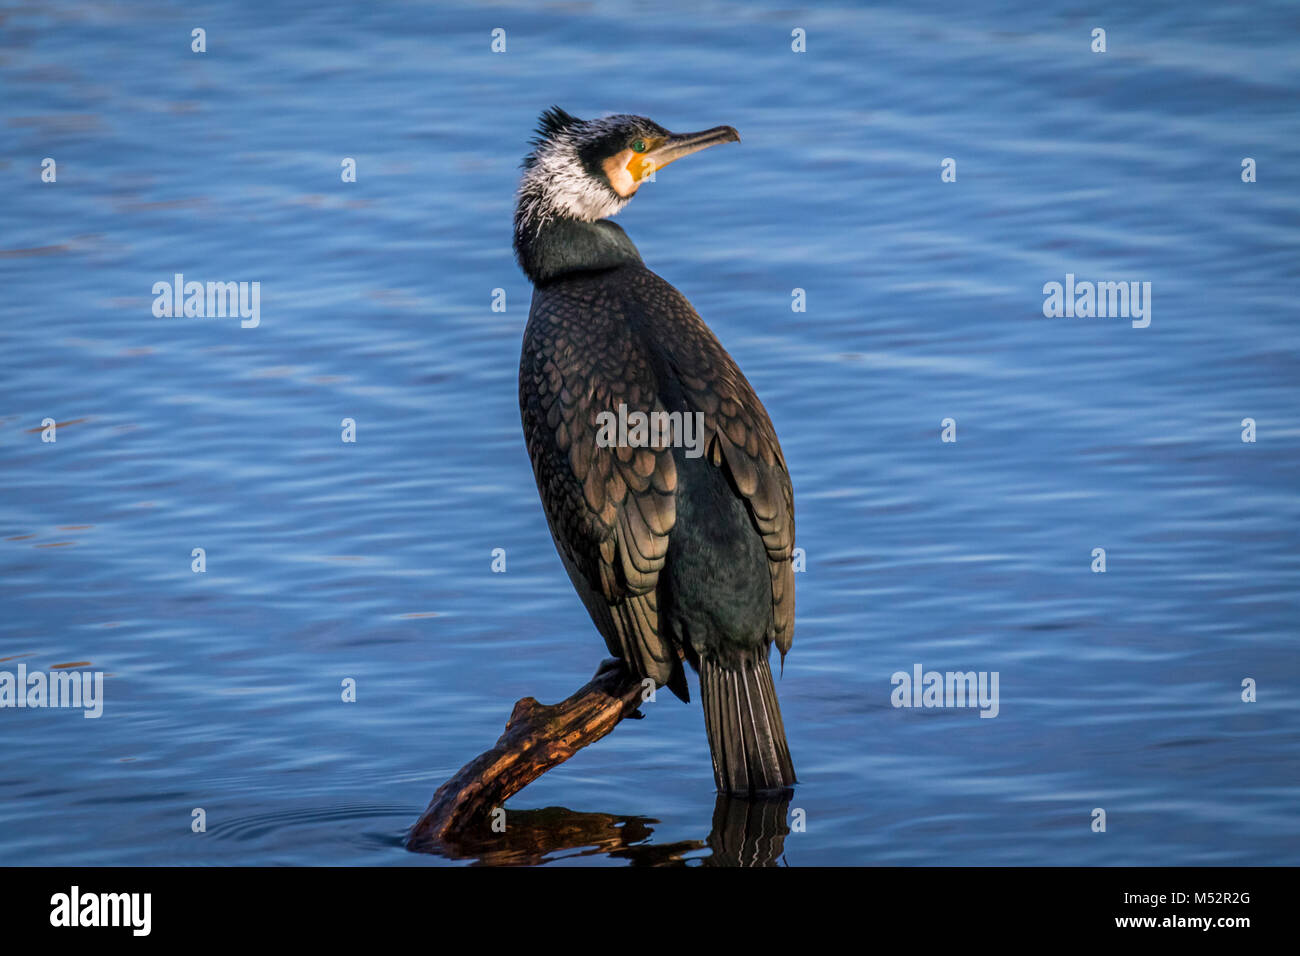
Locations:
(627, 170)
(678, 145)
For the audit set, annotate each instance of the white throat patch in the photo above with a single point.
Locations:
(557, 184)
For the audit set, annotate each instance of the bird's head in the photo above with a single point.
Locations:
(589, 169)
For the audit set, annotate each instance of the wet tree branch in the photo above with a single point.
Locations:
(537, 737)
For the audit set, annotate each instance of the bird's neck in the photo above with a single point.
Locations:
(563, 245)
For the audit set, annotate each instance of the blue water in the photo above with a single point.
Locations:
(372, 561)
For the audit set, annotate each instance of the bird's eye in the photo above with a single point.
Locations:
(638, 146)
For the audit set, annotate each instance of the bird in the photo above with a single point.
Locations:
(681, 553)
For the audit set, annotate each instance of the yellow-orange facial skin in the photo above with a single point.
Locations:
(627, 169)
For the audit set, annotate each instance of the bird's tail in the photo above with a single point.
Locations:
(743, 721)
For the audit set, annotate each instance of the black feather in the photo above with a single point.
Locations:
(552, 122)
(743, 721)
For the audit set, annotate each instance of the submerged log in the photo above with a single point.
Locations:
(537, 737)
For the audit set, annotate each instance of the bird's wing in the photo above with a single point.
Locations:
(610, 509)
(742, 441)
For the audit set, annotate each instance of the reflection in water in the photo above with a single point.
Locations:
(746, 832)
(539, 836)
(749, 832)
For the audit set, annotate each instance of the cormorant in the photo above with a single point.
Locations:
(677, 554)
